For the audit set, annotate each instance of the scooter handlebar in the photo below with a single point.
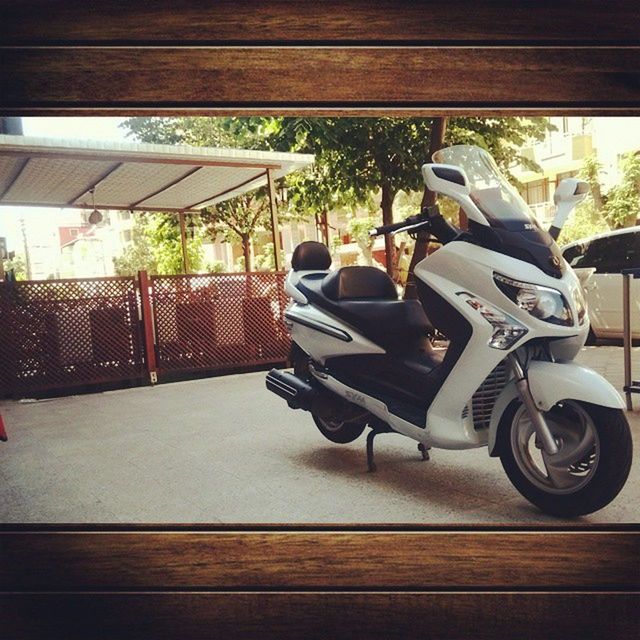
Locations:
(411, 221)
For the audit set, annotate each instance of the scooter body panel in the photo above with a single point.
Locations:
(552, 382)
(460, 267)
(323, 336)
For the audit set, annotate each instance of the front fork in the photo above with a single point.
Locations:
(537, 417)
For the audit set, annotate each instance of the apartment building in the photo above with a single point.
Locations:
(562, 154)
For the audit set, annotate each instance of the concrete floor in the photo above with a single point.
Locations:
(224, 450)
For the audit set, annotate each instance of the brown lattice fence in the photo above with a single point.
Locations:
(62, 334)
(218, 321)
(58, 335)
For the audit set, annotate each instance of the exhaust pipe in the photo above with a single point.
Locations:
(298, 393)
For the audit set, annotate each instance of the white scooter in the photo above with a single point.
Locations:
(515, 317)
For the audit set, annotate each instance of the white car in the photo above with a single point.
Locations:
(598, 261)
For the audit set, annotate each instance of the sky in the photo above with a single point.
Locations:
(87, 128)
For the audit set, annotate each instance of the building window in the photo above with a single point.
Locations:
(126, 235)
(536, 192)
(125, 215)
(565, 174)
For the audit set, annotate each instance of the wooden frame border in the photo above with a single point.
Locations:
(333, 58)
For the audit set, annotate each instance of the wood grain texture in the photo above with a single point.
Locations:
(446, 616)
(319, 560)
(417, 76)
(283, 21)
(145, 583)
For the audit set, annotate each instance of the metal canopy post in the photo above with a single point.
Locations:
(275, 230)
(630, 385)
(183, 242)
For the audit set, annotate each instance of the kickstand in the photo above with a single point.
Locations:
(371, 465)
(379, 427)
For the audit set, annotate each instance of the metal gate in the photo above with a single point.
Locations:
(64, 334)
(218, 321)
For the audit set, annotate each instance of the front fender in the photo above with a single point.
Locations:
(551, 382)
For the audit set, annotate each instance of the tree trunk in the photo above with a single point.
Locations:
(246, 250)
(438, 130)
(388, 196)
(324, 217)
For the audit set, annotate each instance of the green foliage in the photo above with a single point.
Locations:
(156, 247)
(354, 159)
(617, 208)
(358, 229)
(586, 221)
(236, 219)
(243, 133)
(623, 200)
(266, 261)
(18, 265)
(139, 255)
(164, 235)
(503, 138)
(358, 156)
(215, 266)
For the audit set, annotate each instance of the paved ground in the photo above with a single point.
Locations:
(226, 450)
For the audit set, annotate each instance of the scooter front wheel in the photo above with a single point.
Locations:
(590, 468)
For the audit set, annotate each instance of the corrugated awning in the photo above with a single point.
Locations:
(48, 172)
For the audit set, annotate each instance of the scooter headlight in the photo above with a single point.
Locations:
(506, 330)
(541, 302)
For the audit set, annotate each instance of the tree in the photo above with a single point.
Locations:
(238, 218)
(137, 256)
(355, 156)
(614, 209)
(234, 219)
(266, 261)
(18, 265)
(166, 245)
(157, 248)
(358, 229)
(622, 206)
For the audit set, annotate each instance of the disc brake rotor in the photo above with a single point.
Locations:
(574, 464)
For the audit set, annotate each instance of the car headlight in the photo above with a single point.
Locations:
(541, 302)
(506, 330)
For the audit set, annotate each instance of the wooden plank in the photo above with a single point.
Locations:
(319, 559)
(256, 21)
(332, 76)
(447, 616)
(477, 112)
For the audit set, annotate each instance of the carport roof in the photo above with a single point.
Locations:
(48, 172)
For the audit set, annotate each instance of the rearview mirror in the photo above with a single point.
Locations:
(569, 193)
(571, 190)
(446, 179)
(452, 181)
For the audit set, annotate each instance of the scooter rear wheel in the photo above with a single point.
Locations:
(340, 432)
(589, 470)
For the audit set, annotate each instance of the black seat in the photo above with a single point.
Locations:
(310, 256)
(357, 283)
(366, 298)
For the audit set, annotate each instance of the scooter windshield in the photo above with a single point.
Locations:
(499, 202)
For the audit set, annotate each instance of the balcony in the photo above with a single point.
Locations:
(560, 147)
